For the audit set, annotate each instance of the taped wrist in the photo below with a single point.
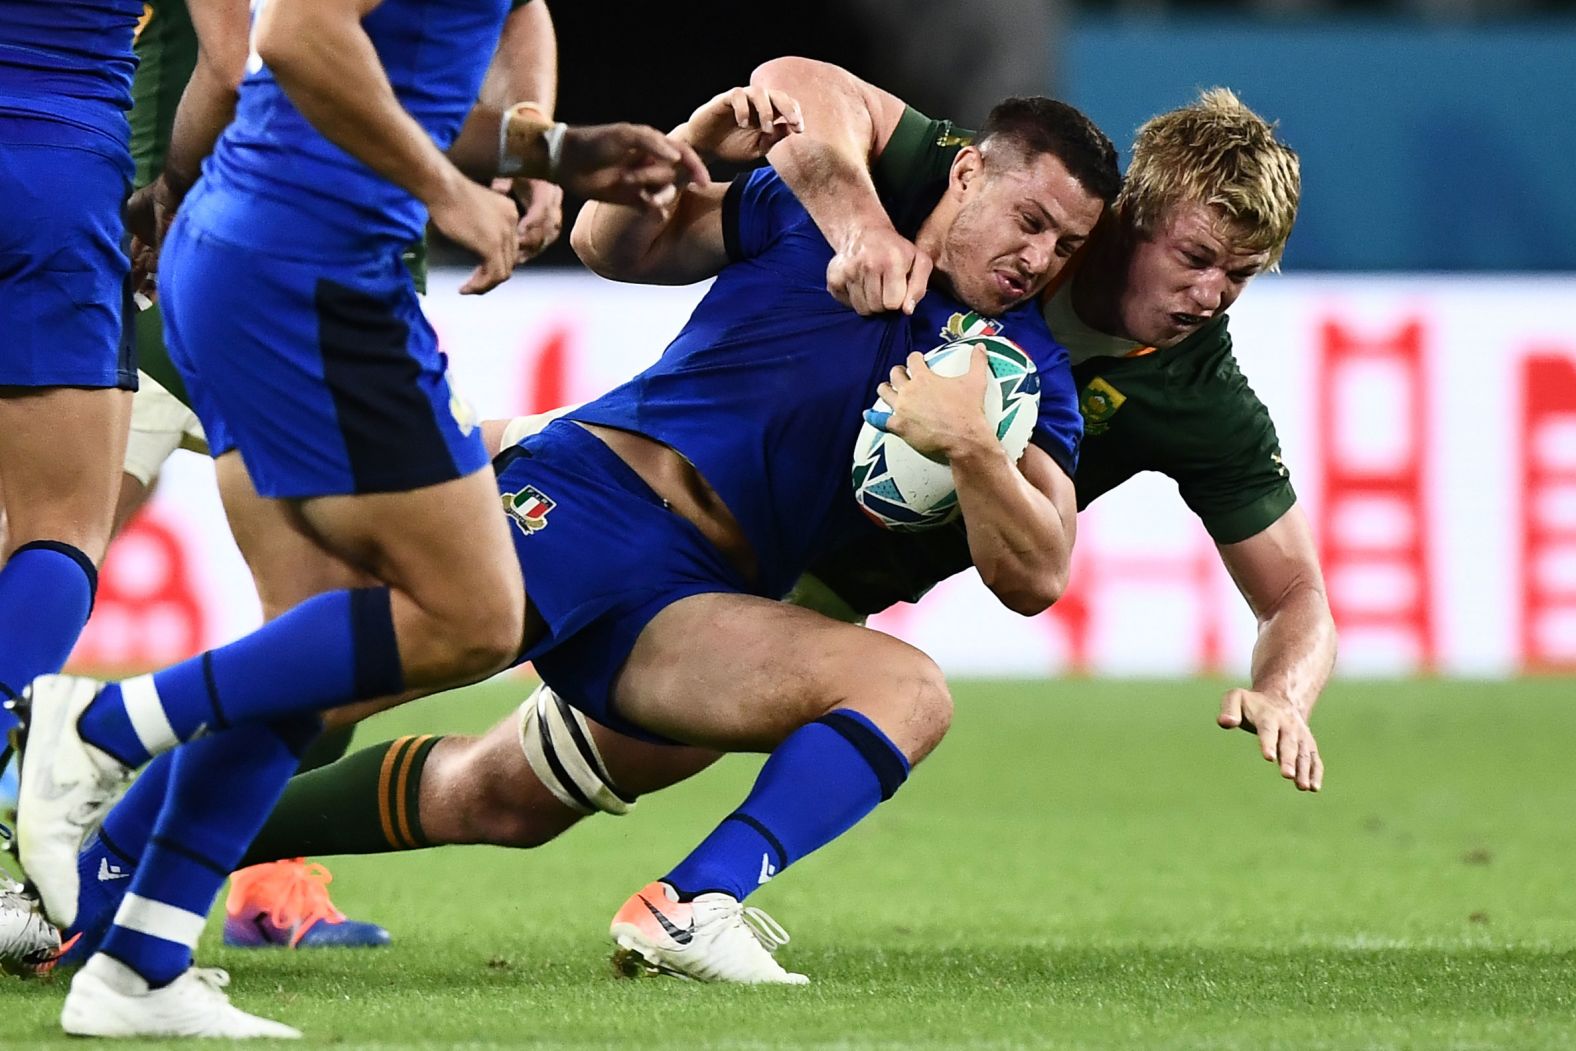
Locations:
(529, 144)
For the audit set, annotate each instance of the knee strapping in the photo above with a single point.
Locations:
(558, 746)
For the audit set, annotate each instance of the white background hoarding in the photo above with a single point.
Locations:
(1429, 424)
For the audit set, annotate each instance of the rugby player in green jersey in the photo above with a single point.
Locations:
(1207, 204)
(1159, 276)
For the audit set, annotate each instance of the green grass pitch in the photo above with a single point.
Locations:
(1081, 864)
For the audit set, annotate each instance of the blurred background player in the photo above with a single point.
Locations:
(286, 903)
(294, 323)
(67, 367)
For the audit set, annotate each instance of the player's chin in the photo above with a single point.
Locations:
(993, 299)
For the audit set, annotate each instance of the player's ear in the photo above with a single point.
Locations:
(967, 167)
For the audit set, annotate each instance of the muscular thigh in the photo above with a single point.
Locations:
(740, 673)
(444, 545)
(288, 563)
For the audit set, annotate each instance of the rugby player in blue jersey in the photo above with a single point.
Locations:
(658, 525)
(737, 445)
(66, 364)
(296, 328)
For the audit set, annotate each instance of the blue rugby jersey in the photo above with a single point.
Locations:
(69, 61)
(765, 387)
(276, 184)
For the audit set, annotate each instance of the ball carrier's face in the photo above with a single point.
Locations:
(1008, 223)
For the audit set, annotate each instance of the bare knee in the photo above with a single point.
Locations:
(907, 696)
(474, 791)
(485, 635)
(930, 706)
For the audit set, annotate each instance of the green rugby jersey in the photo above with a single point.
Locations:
(166, 48)
(1186, 412)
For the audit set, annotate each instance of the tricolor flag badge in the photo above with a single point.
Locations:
(528, 509)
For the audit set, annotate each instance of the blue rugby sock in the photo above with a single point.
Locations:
(816, 785)
(110, 857)
(46, 594)
(330, 650)
(220, 791)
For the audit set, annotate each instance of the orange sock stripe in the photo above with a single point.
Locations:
(401, 807)
(386, 778)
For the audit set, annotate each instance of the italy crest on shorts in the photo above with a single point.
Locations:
(528, 509)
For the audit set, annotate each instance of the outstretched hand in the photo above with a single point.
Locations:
(742, 124)
(1283, 732)
(627, 164)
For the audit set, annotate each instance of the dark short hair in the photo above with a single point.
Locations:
(1036, 125)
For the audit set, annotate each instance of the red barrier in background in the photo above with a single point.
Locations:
(148, 613)
(1097, 578)
(547, 375)
(1371, 423)
(1548, 511)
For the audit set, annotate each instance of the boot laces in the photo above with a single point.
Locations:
(211, 983)
(766, 930)
(294, 894)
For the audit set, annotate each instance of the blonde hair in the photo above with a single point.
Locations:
(1219, 153)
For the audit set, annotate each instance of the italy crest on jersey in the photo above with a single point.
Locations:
(967, 326)
(528, 509)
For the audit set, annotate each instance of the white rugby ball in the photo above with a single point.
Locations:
(901, 489)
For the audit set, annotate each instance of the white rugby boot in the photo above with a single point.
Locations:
(28, 941)
(713, 938)
(67, 787)
(107, 998)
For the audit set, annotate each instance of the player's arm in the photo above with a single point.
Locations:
(525, 67)
(848, 123)
(682, 240)
(207, 105)
(325, 62)
(1277, 571)
(1021, 518)
(524, 73)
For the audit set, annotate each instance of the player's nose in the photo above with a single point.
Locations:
(1207, 293)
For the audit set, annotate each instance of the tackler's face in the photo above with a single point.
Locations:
(1184, 273)
(1019, 220)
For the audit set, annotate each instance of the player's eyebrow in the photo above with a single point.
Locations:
(1039, 206)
